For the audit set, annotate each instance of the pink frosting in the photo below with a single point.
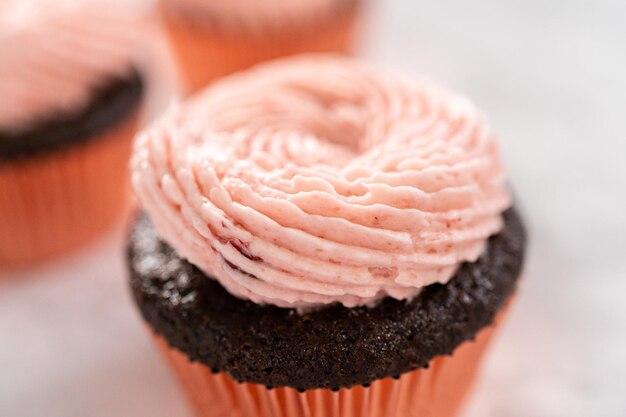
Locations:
(256, 14)
(316, 180)
(53, 53)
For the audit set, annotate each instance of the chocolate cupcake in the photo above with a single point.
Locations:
(70, 94)
(213, 38)
(320, 237)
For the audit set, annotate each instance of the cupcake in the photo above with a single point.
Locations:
(320, 237)
(70, 95)
(213, 38)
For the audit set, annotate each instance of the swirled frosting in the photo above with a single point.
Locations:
(257, 14)
(316, 180)
(53, 53)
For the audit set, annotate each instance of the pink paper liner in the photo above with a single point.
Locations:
(206, 53)
(52, 202)
(438, 391)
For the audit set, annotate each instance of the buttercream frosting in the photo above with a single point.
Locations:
(320, 179)
(53, 53)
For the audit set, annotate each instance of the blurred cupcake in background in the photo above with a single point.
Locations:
(70, 99)
(323, 238)
(213, 38)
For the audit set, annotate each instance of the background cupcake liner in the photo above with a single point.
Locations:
(205, 53)
(434, 392)
(57, 200)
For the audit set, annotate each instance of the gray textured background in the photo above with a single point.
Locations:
(551, 75)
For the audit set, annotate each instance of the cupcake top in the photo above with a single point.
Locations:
(320, 179)
(257, 14)
(55, 53)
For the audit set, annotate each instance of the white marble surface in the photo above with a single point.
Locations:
(552, 77)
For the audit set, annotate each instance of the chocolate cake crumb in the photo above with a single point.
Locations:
(329, 348)
(112, 102)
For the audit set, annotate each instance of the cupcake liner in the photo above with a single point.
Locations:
(56, 200)
(205, 53)
(438, 391)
